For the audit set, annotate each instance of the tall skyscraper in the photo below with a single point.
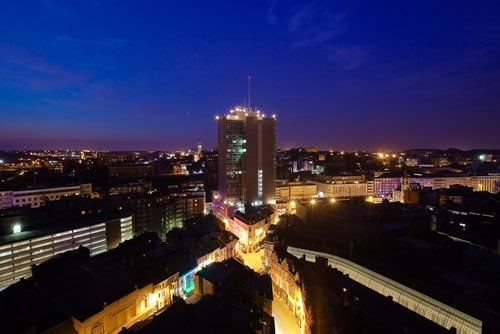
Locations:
(247, 161)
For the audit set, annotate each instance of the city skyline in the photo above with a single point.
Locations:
(342, 76)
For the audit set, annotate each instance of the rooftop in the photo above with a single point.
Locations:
(69, 223)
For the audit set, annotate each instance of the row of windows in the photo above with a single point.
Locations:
(16, 259)
(35, 200)
(46, 192)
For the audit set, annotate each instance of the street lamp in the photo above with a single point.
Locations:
(313, 201)
(370, 202)
(332, 203)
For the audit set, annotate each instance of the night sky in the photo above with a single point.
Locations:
(338, 74)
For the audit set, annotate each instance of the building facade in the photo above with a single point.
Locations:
(20, 251)
(295, 191)
(489, 183)
(247, 160)
(35, 198)
(181, 208)
(384, 186)
(251, 229)
(427, 307)
(286, 285)
(341, 189)
(6, 199)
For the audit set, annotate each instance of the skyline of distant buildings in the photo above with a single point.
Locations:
(194, 148)
(255, 193)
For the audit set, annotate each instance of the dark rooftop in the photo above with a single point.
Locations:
(55, 227)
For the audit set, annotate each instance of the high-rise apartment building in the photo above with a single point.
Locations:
(247, 160)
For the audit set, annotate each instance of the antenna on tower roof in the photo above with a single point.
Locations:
(249, 79)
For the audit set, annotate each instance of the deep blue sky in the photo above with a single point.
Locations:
(339, 74)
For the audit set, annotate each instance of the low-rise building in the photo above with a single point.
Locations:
(210, 248)
(489, 183)
(384, 186)
(35, 198)
(123, 171)
(6, 199)
(233, 282)
(155, 212)
(294, 191)
(250, 228)
(20, 251)
(76, 293)
(330, 189)
(286, 287)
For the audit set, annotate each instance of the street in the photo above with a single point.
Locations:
(253, 260)
(283, 319)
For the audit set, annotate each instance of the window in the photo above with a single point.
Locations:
(98, 329)
(132, 311)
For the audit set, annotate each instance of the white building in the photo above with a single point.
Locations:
(251, 229)
(20, 251)
(326, 189)
(35, 198)
(5, 199)
(295, 191)
(489, 183)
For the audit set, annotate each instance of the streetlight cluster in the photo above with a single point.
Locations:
(332, 202)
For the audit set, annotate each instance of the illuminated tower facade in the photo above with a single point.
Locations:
(200, 149)
(247, 161)
(199, 153)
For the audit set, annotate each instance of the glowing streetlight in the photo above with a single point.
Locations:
(369, 199)
(332, 203)
(313, 201)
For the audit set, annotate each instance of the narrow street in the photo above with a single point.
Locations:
(283, 319)
(253, 260)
